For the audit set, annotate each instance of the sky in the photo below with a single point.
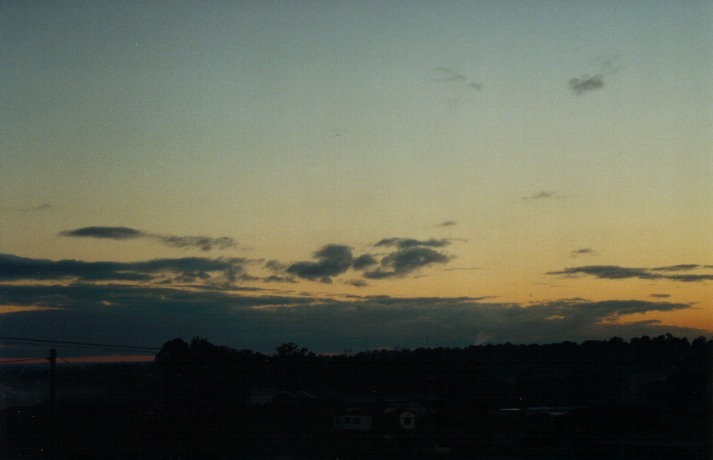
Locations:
(356, 174)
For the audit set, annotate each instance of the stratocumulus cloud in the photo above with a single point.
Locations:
(332, 260)
(615, 272)
(364, 261)
(407, 260)
(204, 243)
(407, 256)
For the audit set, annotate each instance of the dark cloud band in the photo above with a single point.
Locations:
(20, 268)
(152, 315)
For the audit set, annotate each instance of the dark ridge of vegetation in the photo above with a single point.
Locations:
(646, 398)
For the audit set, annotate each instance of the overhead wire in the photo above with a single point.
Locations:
(72, 344)
(12, 361)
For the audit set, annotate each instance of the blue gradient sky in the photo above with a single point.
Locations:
(517, 155)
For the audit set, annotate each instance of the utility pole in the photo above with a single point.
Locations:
(52, 403)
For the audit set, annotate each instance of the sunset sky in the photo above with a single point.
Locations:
(355, 174)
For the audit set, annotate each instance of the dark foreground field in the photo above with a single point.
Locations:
(649, 398)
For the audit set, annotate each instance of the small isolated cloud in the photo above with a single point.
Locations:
(204, 243)
(583, 252)
(661, 296)
(543, 195)
(356, 283)
(332, 260)
(586, 83)
(673, 273)
(112, 233)
(448, 223)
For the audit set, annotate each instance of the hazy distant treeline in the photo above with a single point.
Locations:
(663, 368)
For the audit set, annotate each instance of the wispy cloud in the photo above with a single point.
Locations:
(586, 83)
(403, 243)
(356, 283)
(583, 252)
(449, 75)
(448, 223)
(672, 273)
(543, 195)
(446, 74)
(204, 243)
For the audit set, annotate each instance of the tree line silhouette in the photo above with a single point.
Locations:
(196, 400)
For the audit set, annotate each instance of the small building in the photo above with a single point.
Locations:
(261, 397)
(398, 419)
(355, 422)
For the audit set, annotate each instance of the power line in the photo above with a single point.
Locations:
(11, 361)
(41, 342)
(67, 362)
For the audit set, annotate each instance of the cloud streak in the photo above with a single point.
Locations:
(403, 243)
(204, 243)
(543, 195)
(615, 272)
(14, 268)
(111, 233)
(583, 252)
